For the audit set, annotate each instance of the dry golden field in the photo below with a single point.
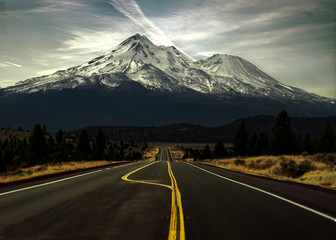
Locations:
(319, 169)
(47, 169)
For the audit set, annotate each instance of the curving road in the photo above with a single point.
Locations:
(161, 200)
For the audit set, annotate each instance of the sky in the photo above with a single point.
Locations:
(294, 41)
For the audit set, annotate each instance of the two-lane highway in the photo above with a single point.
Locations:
(153, 200)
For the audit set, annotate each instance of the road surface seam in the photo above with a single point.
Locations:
(271, 194)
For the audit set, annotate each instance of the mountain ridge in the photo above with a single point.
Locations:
(141, 84)
(167, 69)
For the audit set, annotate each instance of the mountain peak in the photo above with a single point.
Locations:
(165, 68)
(137, 38)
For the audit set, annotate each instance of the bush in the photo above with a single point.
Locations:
(289, 168)
(239, 162)
(327, 158)
(305, 166)
(255, 165)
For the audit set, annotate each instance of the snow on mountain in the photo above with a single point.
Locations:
(167, 69)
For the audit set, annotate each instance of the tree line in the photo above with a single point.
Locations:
(42, 147)
(282, 141)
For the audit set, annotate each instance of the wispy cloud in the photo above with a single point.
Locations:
(46, 6)
(89, 41)
(131, 10)
(292, 40)
(232, 24)
(13, 64)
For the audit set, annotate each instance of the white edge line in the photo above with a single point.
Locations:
(48, 183)
(57, 181)
(124, 165)
(271, 194)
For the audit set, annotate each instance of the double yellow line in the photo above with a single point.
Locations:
(176, 228)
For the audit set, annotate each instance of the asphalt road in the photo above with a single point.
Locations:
(126, 202)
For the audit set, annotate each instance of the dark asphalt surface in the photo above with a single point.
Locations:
(95, 206)
(318, 198)
(103, 206)
(215, 208)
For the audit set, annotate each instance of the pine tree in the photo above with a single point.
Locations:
(220, 151)
(3, 166)
(99, 146)
(251, 149)
(83, 149)
(262, 145)
(307, 144)
(240, 140)
(186, 155)
(195, 154)
(283, 139)
(59, 137)
(38, 145)
(51, 145)
(206, 152)
(111, 153)
(327, 138)
(23, 153)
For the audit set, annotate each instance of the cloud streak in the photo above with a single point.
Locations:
(13, 64)
(46, 6)
(131, 10)
(291, 40)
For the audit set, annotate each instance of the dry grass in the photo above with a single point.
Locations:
(150, 154)
(41, 170)
(176, 154)
(320, 174)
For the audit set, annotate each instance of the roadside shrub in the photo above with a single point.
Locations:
(289, 168)
(239, 162)
(252, 165)
(256, 165)
(269, 163)
(305, 166)
(327, 158)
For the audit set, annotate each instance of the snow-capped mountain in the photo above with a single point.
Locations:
(139, 83)
(167, 69)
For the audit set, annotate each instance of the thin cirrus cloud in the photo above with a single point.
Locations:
(13, 64)
(131, 10)
(294, 41)
(45, 6)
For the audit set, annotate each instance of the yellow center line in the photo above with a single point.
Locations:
(125, 177)
(179, 202)
(176, 206)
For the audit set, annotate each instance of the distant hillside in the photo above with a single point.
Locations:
(185, 132)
